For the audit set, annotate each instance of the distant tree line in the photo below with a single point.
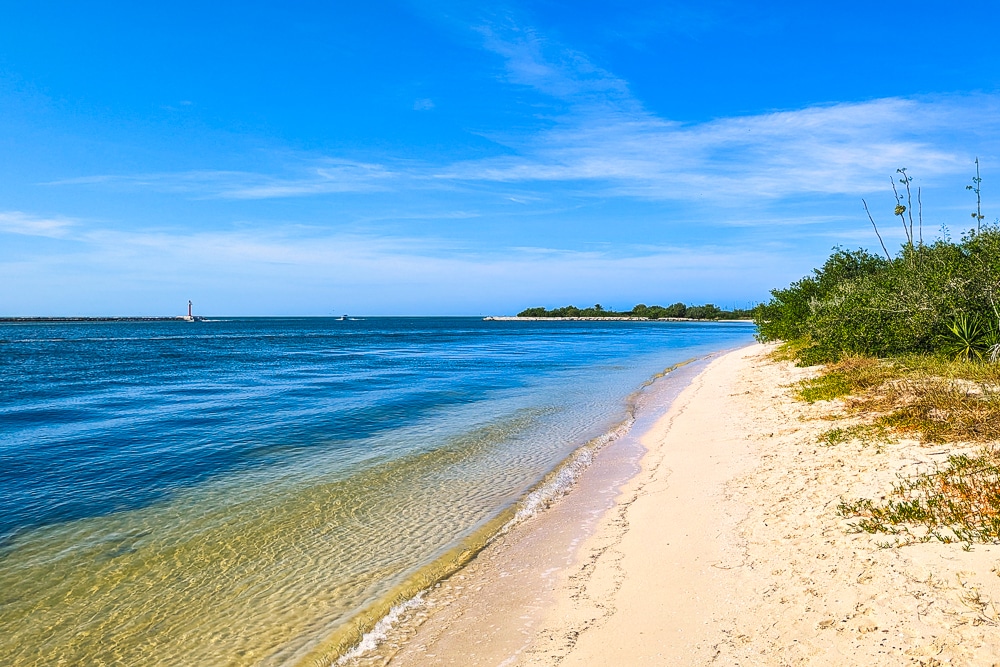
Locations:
(706, 312)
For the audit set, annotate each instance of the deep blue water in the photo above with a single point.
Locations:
(101, 417)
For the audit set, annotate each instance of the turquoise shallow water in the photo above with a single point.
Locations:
(233, 492)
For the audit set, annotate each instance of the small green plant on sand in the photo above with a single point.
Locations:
(958, 502)
(866, 433)
(825, 388)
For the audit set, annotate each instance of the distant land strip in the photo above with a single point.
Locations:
(175, 318)
(519, 318)
(677, 312)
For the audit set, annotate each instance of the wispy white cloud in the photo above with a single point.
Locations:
(848, 148)
(326, 177)
(16, 222)
(610, 140)
(550, 67)
(844, 148)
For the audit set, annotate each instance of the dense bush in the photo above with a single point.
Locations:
(859, 303)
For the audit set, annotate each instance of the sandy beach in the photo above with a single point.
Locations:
(724, 548)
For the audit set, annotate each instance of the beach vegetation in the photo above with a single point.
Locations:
(864, 433)
(935, 399)
(851, 375)
(966, 341)
(791, 350)
(938, 297)
(909, 346)
(943, 297)
(958, 501)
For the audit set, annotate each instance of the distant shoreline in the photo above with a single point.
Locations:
(514, 318)
(33, 320)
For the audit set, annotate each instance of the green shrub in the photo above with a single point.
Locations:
(858, 303)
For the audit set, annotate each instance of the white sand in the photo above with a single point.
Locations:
(727, 549)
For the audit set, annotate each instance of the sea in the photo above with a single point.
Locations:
(261, 491)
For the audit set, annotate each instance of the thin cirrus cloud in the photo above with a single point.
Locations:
(25, 224)
(846, 148)
(551, 68)
(305, 270)
(327, 177)
(299, 247)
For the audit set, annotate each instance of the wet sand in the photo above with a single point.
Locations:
(493, 609)
(723, 548)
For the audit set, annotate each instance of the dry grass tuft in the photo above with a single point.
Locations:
(933, 399)
(941, 410)
(848, 376)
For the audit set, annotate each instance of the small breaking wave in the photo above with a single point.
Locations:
(378, 634)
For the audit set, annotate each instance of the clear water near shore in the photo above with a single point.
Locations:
(236, 492)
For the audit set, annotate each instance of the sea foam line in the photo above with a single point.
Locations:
(561, 480)
(378, 634)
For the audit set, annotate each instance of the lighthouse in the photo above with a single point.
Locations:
(190, 316)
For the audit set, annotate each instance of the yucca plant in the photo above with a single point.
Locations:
(991, 341)
(967, 337)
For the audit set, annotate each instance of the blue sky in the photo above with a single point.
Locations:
(435, 158)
